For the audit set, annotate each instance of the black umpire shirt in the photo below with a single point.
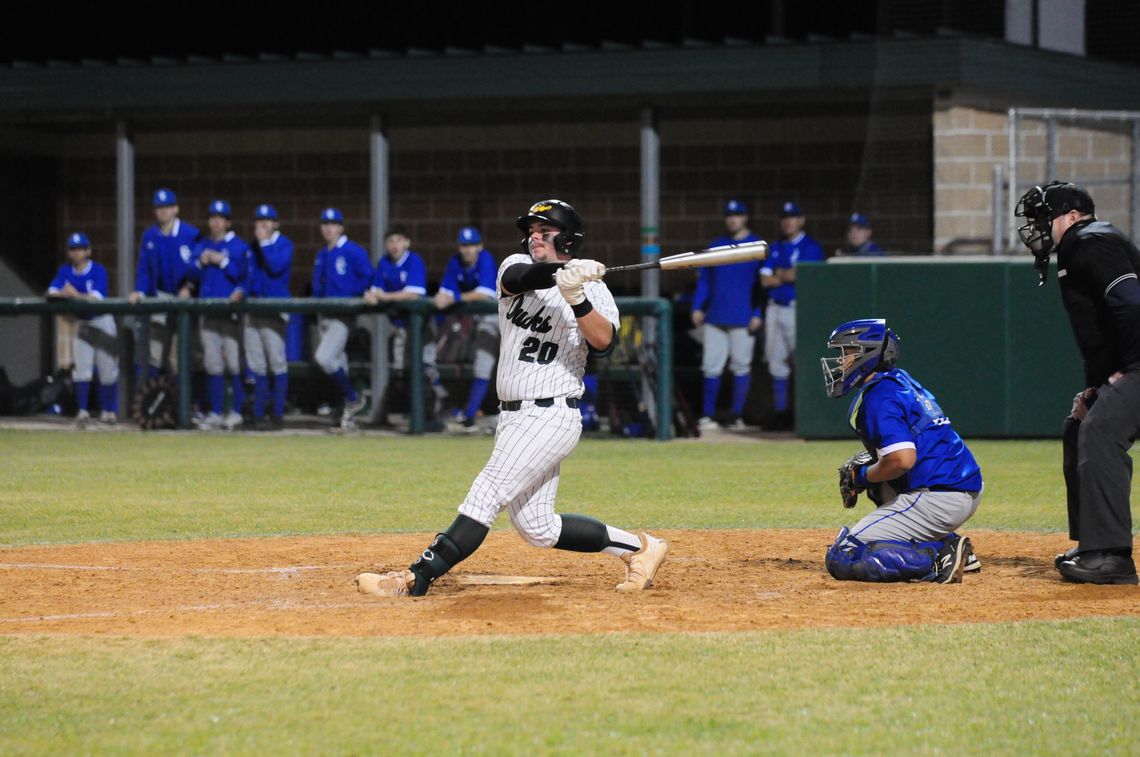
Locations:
(1097, 267)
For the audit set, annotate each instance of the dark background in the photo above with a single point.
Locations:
(46, 32)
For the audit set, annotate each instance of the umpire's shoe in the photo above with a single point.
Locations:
(641, 566)
(952, 558)
(1099, 568)
(398, 583)
(1068, 554)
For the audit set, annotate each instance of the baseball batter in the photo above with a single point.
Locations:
(95, 344)
(917, 470)
(779, 277)
(553, 310)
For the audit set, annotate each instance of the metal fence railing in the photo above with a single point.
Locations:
(659, 362)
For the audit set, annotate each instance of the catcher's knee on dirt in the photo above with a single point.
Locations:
(888, 561)
(448, 549)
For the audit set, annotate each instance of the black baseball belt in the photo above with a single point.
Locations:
(543, 402)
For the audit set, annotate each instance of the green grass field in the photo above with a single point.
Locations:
(1041, 687)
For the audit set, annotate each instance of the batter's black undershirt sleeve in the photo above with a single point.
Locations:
(607, 350)
(526, 277)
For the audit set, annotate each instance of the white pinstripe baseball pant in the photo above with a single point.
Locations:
(522, 473)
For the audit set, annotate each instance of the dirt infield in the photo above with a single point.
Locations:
(712, 581)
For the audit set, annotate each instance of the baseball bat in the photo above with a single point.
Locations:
(713, 256)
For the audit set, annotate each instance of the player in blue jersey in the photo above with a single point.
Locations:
(401, 275)
(220, 273)
(342, 269)
(723, 307)
(778, 275)
(166, 255)
(470, 277)
(917, 470)
(859, 243)
(268, 276)
(95, 345)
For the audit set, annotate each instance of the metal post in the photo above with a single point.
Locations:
(650, 246)
(1134, 180)
(998, 206)
(1012, 178)
(124, 241)
(665, 371)
(381, 326)
(184, 369)
(416, 370)
(1050, 149)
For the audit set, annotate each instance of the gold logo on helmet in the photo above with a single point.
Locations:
(540, 208)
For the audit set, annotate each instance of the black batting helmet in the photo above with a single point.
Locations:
(560, 215)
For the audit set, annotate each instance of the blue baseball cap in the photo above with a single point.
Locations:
(790, 208)
(858, 219)
(735, 208)
(332, 215)
(469, 235)
(78, 240)
(265, 212)
(164, 197)
(219, 208)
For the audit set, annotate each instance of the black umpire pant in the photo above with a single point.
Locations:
(1098, 468)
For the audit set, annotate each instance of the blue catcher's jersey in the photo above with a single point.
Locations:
(786, 254)
(271, 262)
(724, 292)
(343, 270)
(479, 276)
(165, 260)
(893, 412)
(90, 280)
(223, 279)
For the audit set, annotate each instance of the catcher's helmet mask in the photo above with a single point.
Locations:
(1039, 207)
(560, 215)
(865, 346)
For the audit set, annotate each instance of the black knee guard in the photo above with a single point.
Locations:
(582, 534)
(448, 549)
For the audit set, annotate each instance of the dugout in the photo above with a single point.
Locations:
(647, 138)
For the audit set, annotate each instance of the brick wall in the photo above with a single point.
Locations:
(443, 177)
(968, 142)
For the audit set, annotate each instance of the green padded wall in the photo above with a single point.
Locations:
(994, 348)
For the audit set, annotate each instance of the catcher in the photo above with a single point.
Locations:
(916, 469)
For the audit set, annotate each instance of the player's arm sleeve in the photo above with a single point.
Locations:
(101, 284)
(527, 277)
(416, 283)
(363, 270)
(234, 268)
(602, 299)
(886, 424)
(450, 282)
(59, 281)
(278, 258)
(144, 282)
(1123, 299)
(487, 272)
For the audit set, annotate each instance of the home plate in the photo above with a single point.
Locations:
(493, 580)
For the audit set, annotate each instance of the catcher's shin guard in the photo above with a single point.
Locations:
(888, 561)
(448, 549)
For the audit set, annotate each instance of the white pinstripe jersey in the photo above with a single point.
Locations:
(542, 353)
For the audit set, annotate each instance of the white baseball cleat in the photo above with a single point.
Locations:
(706, 424)
(211, 422)
(232, 420)
(82, 418)
(641, 566)
(397, 583)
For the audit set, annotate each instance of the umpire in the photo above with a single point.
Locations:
(1097, 266)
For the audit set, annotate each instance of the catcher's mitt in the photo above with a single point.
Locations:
(156, 404)
(848, 490)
